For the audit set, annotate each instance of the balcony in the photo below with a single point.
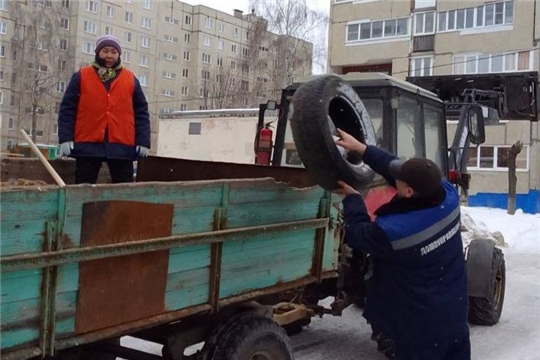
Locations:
(424, 43)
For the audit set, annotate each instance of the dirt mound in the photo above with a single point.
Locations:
(23, 182)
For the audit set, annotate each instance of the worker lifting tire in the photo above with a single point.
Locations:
(487, 309)
(248, 337)
(319, 107)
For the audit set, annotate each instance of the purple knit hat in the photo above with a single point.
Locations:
(108, 40)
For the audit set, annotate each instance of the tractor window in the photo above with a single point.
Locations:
(409, 138)
(374, 108)
(432, 125)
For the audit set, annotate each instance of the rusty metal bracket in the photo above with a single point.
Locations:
(220, 223)
(287, 313)
(320, 238)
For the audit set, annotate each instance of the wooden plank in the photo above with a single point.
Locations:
(119, 290)
(182, 195)
(273, 212)
(19, 336)
(264, 278)
(267, 191)
(21, 285)
(259, 262)
(186, 279)
(179, 299)
(68, 278)
(269, 243)
(188, 258)
(29, 204)
(22, 236)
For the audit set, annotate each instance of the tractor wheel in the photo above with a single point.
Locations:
(319, 107)
(249, 337)
(487, 310)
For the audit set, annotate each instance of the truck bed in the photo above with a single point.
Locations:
(89, 262)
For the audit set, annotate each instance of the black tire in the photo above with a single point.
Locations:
(488, 310)
(249, 337)
(319, 106)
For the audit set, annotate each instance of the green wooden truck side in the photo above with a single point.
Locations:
(231, 241)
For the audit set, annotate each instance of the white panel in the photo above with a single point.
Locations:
(421, 4)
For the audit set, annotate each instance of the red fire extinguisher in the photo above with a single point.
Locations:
(263, 149)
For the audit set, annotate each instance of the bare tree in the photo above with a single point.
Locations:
(39, 59)
(512, 179)
(295, 25)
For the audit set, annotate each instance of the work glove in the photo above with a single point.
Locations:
(65, 148)
(142, 151)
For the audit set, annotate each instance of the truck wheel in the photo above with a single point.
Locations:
(487, 310)
(319, 107)
(249, 337)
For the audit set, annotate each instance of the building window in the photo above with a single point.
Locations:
(188, 20)
(170, 57)
(110, 11)
(55, 129)
(206, 40)
(245, 52)
(221, 27)
(233, 65)
(185, 73)
(233, 48)
(62, 65)
(205, 75)
(171, 20)
(146, 23)
(143, 80)
(61, 86)
(167, 92)
(88, 47)
(147, 4)
(11, 123)
(109, 30)
(187, 38)
(183, 107)
(235, 32)
(208, 23)
(1, 74)
(219, 61)
(492, 63)
(2, 50)
(245, 69)
(168, 75)
(220, 44)
(90, 27)
(3, 27)
(376, 30)
(144, 61)
(184, 90)
(424, 23)
(65, 3)
(145, 42)
(186, 55)
(64, 23)
(170, 38)
(4, 5)
(126, 56)
(194, 128)
(128, 37)
(422, 66)
(63, 45)
(91, 6)
(129, 17)
(9, 144)
(495, 157)
(206, 58)
(492, 14)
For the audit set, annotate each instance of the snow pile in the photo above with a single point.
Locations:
(519, 232)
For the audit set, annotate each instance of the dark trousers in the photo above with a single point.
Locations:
(87, 170)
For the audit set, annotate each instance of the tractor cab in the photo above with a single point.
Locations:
(408, 120)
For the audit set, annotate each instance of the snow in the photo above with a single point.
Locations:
(515, 337)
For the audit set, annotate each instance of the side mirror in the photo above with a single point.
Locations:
(477, 131)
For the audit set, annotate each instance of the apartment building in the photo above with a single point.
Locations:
(185, 57)
(447, 46)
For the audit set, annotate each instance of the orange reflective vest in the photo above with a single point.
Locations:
(100, 111)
